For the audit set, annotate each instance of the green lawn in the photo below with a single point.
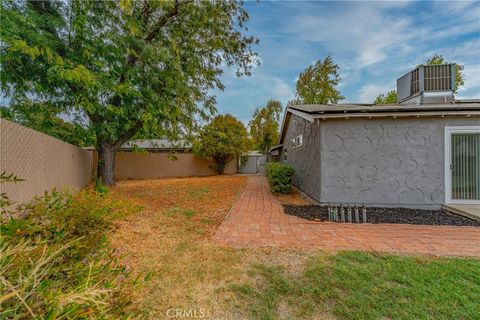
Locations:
(357, 285)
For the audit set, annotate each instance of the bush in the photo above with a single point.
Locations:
(56, 262)
(279, 177)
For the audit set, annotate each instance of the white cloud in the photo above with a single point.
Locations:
(471, 88)
(368, 93)
(362, 31)
(461, 53)
(374, 43)
(282, 90)
(472, 77)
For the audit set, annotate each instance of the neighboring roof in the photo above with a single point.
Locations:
(157, 144)
(314, 112)
(278, 146)
(154, 144)
(254, 153)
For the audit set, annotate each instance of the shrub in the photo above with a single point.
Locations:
(99, 186)
(279, 177)
(56, 262)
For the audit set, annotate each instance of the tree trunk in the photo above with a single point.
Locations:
(219, 166)
(106, 164)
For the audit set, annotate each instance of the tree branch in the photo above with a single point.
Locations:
(128, 134)
(165, 19)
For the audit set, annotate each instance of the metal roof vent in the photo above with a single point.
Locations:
(427, 84)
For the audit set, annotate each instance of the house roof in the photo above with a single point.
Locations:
(254, 153)
(154, 144)
(472, 104)
(157, 144)
(278, 146)
(465, 108)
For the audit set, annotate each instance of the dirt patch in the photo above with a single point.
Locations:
(387, 215)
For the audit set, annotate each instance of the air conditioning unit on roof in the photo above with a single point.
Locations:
(427, 84)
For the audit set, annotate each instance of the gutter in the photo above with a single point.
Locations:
(395, 115)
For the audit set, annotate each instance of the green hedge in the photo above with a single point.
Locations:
(279, 177)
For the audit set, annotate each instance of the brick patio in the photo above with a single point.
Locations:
(257, 219)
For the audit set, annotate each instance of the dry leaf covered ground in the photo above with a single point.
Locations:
(295, 197)
(171, 237)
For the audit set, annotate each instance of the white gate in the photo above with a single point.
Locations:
(255, 164)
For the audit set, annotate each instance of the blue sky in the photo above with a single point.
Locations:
(374, 43)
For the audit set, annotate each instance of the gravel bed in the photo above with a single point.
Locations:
(388, 215)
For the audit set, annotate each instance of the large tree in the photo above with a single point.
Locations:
(388, 98)
(127, 66)
(317, 84)
(221, 141)
(391, 96)
(264, 125)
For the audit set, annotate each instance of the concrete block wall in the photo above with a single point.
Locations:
(143, 165)
(43, 161)
(306, 159)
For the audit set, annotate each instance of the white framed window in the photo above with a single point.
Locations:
(300, 140)
(462, 164)
(297, 141)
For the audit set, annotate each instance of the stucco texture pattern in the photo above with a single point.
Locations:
(306, 158)
(378, 162)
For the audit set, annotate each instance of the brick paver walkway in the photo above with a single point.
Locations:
(257, 219)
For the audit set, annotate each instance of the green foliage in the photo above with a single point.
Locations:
(6, 177)
(221, 141)
(189, 213)
(100, 188)
(56, 262)
(359, 285)
(176, 211)
(279, 177)
(264, 125)
(5, 201)
(317, 84)
(129, 67)
(389, 98)
(198, 193)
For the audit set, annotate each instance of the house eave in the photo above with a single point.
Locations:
(395, 115)
(453, 110)
(288, 111)
(278, 146)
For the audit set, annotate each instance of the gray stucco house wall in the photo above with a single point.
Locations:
(388, 162)
(306, 159)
